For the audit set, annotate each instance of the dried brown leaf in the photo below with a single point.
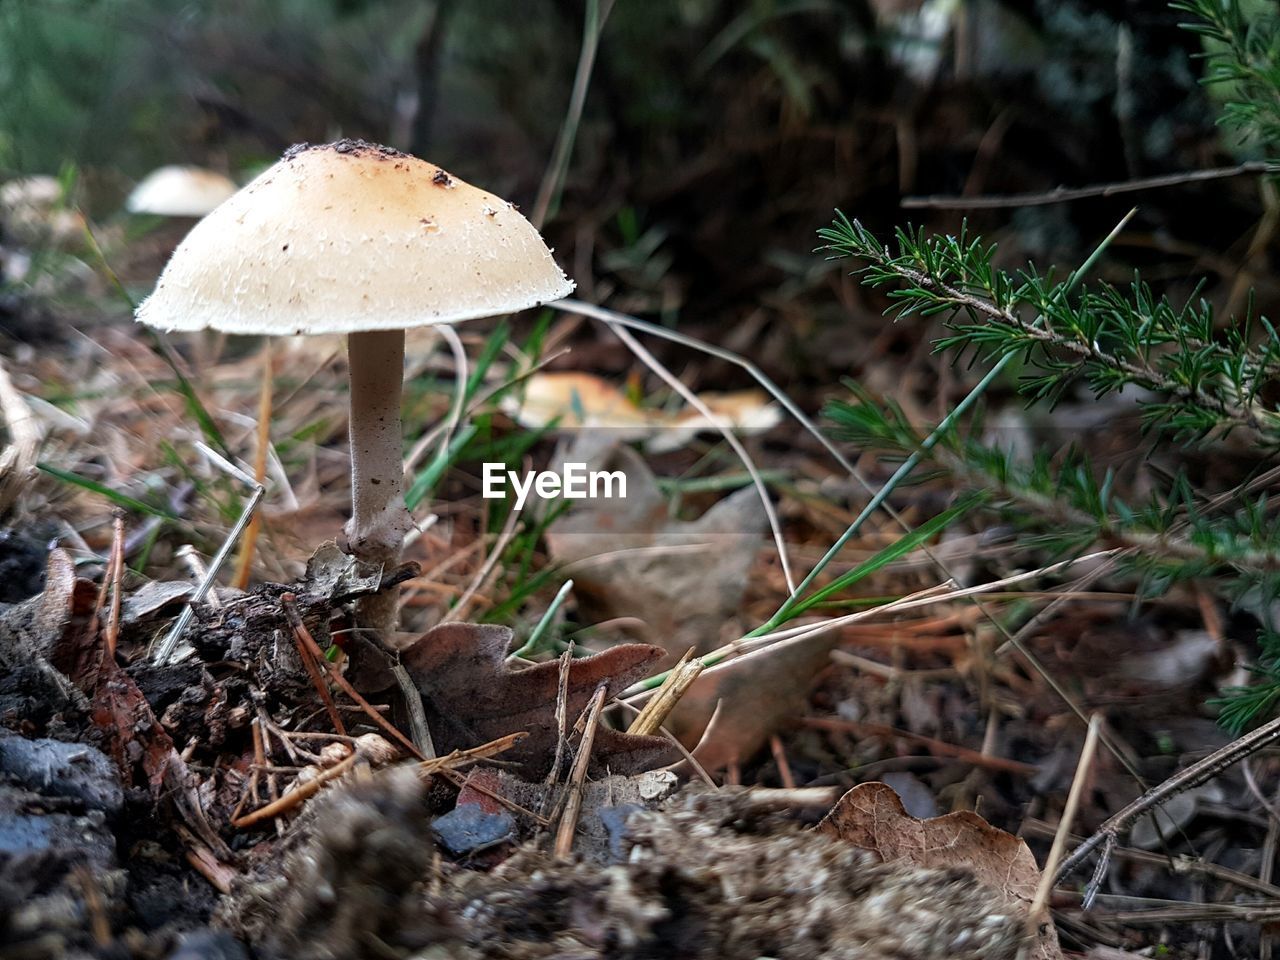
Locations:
(472, 695)
(573, 400)
(871, 816)
(683, 580)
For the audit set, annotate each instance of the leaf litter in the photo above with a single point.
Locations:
(354, 865)
(245, 720)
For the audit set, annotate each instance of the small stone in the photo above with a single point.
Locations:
(468, 828)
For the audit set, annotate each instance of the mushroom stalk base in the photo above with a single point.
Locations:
(379, 519)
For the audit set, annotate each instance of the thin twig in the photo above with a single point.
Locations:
(301, 635)
(289, 602)
(573, 805)
(485, 751)
(296, 796)
(780, 760)
(1193, 776)
(1065, 194)
(1179, 866)
(561, 714)
(460, 781)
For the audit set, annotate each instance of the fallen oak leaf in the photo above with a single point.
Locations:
(472, 695)
(872, 816)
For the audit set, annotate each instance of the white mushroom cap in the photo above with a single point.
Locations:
(180, 192)
(348, 237)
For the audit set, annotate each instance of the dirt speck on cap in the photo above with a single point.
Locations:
(442, 179)
(347, 146)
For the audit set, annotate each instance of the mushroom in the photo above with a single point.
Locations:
(180, 192)
(351, 237)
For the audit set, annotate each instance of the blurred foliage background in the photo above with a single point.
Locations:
(717, 136)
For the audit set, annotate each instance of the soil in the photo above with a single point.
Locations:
(115, 842)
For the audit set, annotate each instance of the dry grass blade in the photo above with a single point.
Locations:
(553, 180)
(573, 804)
(689, 397)
(654, 714)
(1068, 816)
(744, 647)
(165, 648)
(463, 605)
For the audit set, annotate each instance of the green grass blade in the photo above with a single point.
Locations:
(115, 496)
(426, 481)
(895, 551)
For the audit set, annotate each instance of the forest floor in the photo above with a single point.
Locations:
(145, 799)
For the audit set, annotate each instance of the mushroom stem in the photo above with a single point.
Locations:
(379, 519)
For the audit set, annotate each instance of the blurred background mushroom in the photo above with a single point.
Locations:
(178, 191)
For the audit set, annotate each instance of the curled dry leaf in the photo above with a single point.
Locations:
(38, 628)
(871, 816)
(472, 695)
(577, 400)
(54, 633)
